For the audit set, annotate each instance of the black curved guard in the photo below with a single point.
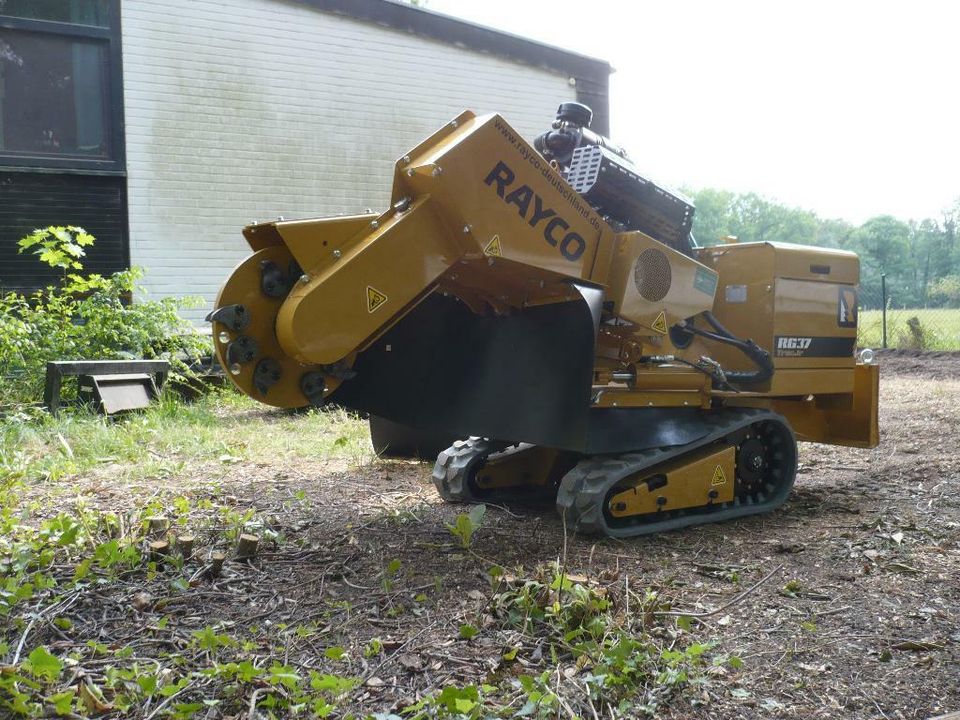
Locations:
(520, 378)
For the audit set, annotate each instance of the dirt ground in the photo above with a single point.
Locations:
(859, 617)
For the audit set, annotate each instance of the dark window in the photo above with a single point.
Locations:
(53, 96)
(61, 95)
(81, 12)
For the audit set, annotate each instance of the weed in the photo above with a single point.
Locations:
(466, 524)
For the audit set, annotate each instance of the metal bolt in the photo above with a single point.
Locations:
(374, 224)
(436, 171)
(304, 278)
(467, 229)
(409, 172)
(453, 123)
(406, 158)
(337, 253)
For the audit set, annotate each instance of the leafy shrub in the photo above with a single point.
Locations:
(946, 291)
(88, 316)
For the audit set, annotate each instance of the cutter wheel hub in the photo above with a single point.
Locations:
(245, 336)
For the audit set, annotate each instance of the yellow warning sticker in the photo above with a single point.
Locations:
(660, 324)
(375, 299)
(493, 248)
(718, 477)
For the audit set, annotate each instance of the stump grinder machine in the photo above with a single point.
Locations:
(545, 311)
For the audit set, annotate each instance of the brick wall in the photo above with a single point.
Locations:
(248, 109)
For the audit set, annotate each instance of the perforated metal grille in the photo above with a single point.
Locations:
(584, 168)
(652, 275)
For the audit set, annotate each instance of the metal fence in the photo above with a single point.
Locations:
(887, 322)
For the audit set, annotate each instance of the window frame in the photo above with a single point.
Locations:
(110, 35)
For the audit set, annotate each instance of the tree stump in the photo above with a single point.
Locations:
(247, 547)
(158, 524)
(216, 563)
(159, 550)
(185, 546)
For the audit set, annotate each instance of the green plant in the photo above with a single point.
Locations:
(466, 524)
(57, 246)
(86, 316)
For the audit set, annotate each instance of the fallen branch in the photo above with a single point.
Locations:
(738, 598)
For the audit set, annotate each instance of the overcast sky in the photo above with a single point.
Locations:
(846, 108)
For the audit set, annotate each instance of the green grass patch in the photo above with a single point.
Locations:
(934, 328)
(164, 439)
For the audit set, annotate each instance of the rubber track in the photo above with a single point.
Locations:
(583, 491)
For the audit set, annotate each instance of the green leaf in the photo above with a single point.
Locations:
(283, 675)
(82, 570)
(41, 664)
(62, 702)
(468, 631)
(477, 513)
(185, 711)
(147, 683)
(334, 653)
(321, 708)
(684, 622)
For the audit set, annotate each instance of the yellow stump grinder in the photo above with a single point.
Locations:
(549, 305)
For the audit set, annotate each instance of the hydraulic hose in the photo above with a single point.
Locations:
(756, 354)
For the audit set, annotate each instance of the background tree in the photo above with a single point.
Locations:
(915, 256)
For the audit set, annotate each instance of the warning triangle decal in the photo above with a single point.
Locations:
(660, 324)
(718, 477)
(847, 309)
(493, 247)
(375, 298)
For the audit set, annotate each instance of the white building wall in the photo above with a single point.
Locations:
(249, 109)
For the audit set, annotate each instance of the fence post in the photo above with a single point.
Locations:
(883, 295)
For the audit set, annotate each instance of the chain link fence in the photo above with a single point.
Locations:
(887, 322)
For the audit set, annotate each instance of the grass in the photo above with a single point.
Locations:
(939, 329)
(170, 435)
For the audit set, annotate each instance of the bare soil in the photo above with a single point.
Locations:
(859, 619)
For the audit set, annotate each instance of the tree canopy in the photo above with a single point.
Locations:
(921, 259)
